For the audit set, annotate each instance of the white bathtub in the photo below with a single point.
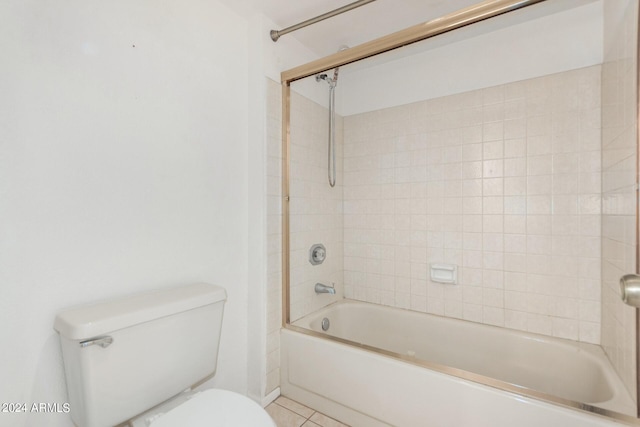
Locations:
(364, 388)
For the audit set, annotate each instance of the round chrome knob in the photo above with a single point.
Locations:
(630, 289)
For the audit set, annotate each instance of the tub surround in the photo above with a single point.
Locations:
(503, 182)
(315, 208)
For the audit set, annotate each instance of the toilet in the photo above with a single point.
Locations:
(135, 361)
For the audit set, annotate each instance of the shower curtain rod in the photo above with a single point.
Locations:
(275, 34)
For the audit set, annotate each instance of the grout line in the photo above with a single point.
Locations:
(307, 419)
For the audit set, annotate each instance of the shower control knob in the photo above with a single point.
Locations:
(630, 289)
(317, 254)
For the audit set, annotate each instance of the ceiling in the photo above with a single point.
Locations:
(352, 28)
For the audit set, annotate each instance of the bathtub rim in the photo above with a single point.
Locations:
(513, 389)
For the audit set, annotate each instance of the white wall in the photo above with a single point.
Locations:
(498, 51)
(289, 53)
(123, 168)
(266, 61)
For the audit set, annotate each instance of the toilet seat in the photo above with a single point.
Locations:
(214, 408)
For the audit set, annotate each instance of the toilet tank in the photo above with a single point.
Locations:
(124, 356)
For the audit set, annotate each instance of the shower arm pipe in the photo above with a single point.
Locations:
(461, 18)
(276, 34)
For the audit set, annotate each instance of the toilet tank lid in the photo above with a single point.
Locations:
(92, 320)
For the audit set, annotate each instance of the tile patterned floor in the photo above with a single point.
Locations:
(287, 413)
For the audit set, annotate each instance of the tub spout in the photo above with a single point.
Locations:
(324, 289)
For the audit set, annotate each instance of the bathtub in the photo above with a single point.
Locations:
(475, 374)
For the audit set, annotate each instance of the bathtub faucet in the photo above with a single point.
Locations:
(324, 289)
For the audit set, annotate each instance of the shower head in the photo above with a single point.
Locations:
(337, 69)
(332, 81)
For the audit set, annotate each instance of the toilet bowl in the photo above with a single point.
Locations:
(208, 408)
(124, 344)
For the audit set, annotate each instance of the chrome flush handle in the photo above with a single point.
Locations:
(103, 342)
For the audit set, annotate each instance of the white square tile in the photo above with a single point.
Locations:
(515, 167)
(539, 224)
(539, 324)
(515, 301)
(515, 320)
(492, 205)
(472, 223)
(492, 297)
(515, 205)
(539, 145)
(472, 170)
(493, 187)
(472, 259)
(472, 205)
(516, 281)
(515, 148)
(515, 128)
(515, 243)
(566, 163)
(565, 204)
(493, 278)
(589, 183)
(472, 312)
(493, 150)
(472, 187)
(539, 185)
(493, 242)
(566, 184)
(539, 165)
(472, 152)
(566, 328)
(493, 168)
(539, 205)
(515, 186)
(493, 316)
(539, 125)
(493, 223)
(589, 332)
(515, 224)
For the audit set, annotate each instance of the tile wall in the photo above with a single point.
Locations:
(315, 215)
(315, 208)
(619, 157)
(502, 182)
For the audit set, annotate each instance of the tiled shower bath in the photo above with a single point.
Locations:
(528, 187)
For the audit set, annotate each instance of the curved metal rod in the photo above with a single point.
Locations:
(275, 34)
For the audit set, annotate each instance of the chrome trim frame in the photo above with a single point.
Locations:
(637, 94)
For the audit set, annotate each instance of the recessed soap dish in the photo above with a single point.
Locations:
(444, 273)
